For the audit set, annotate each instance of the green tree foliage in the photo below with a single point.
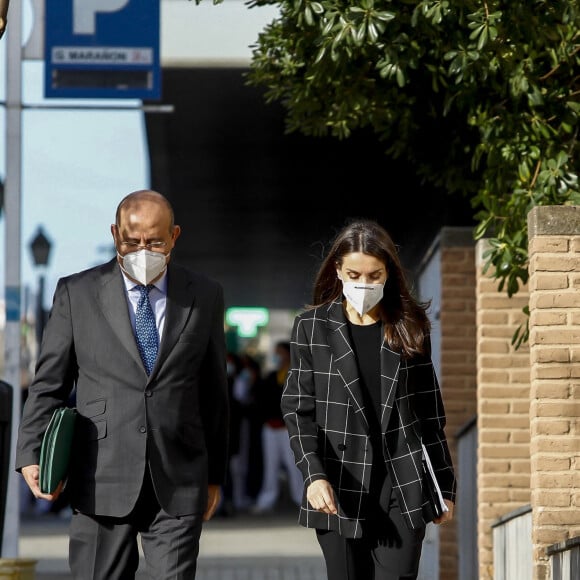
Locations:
(482, 96)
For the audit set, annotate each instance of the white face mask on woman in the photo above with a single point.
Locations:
(362, 297)
(143, 265)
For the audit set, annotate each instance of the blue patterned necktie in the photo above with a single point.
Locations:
(146, 329)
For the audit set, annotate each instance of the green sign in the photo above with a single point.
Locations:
(247, 320)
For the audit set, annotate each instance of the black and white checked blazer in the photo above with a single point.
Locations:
(327, 422)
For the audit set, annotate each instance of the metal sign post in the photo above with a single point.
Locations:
(12, 259)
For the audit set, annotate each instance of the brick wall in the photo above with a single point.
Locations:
(458, 347)
(503, 405)
(554, 249)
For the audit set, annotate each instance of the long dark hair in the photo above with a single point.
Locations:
(405, 320)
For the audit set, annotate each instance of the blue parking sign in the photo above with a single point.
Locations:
(102, 49)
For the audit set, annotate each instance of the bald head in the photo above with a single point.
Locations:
(134, 200)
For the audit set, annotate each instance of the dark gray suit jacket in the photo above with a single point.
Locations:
(324, 410)
(175, 420)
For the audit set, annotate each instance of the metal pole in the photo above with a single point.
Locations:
(40, 316)
(12, 260)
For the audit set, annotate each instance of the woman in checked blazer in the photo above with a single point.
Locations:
(361, 397)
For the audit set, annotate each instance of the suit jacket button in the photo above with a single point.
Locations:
(142, 429)
(341, 446)
(148, 393)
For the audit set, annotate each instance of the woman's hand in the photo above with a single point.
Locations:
(445, 516)
(214, 495)
(320, 496)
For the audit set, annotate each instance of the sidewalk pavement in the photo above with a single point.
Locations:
(242, 547)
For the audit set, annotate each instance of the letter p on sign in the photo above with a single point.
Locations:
(85, 13)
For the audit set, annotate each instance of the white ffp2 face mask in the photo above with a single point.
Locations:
(362, 297)
(143, 265)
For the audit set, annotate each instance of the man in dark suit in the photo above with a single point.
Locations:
(141, 340)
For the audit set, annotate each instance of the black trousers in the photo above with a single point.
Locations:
(391, 556)
(105, 548)
(388, 550)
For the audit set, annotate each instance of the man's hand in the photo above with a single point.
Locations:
(320, 496)
(31, 476)
(213, 500)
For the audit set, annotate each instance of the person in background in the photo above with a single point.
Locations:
(233, 368)
(360, 400)
(246, 464)
(276, 451)
(143, 341)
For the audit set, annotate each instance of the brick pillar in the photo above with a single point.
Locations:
(554, 250)
(503, 404)
(458, 370)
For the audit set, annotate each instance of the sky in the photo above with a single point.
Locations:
(78, 164)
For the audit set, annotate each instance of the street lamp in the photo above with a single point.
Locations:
(40, 247)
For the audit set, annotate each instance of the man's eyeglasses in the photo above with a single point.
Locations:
(138, 246)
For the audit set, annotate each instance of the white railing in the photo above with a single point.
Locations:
(565, 559)
(512, 545)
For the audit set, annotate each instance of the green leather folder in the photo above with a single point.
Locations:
(55, 448)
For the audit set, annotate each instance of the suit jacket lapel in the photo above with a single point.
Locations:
(344, 357)
(180, 299)
(345, 362)
(113, 303)
(390, 365)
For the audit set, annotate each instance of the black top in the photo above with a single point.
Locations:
(367, 342)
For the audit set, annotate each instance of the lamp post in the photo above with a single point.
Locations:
(40, 247)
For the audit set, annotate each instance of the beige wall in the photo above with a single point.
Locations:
(527, 399)
(554, 250)
(503, 403)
